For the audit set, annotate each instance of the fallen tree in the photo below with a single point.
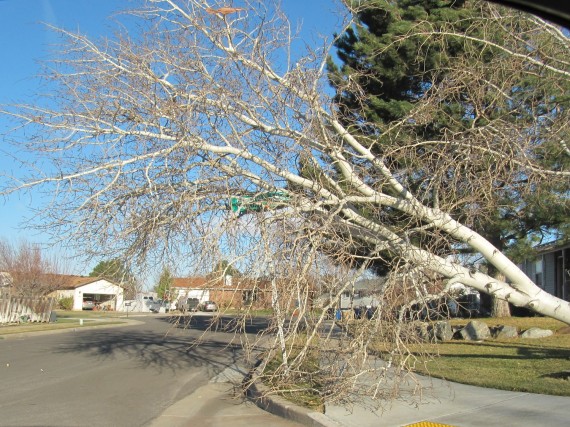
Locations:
(151, 136)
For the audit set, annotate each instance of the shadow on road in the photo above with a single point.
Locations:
(159, 346)
(220, 323)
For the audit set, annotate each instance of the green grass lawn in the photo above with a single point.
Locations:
(65, 320)
(527, 365)
(524, 365)
(250, 312)
(303, 385)
(88, 314)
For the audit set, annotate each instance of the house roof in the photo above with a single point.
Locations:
(190, 282)
(59, 281)
(73, 282)
(552, 246)
(216, 283)
(370, 284)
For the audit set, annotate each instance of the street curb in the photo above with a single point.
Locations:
(258, 394)
(20, 335)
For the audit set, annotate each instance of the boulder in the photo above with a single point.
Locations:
(475, 331)
(457, 332)
(506, 331)
(423, 332)
(536, 333)
(442, 331)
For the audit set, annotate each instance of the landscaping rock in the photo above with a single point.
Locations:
(442, 331)
(423, 332)
(536, 333)
(457, 334)
(475, 331)
(506, 331)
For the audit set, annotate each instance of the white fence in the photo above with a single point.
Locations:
(25, 309)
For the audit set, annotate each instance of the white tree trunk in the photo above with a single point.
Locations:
(147, 140)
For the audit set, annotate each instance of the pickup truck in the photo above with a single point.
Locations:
(188, 304)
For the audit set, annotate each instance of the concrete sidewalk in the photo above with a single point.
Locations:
(462, 406)
(219, 403)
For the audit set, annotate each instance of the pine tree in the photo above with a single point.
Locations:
(164, 285)
(117, 272)
(407, 55)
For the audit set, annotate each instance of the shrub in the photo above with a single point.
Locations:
(66, 303)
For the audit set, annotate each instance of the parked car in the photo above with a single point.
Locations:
(88, 304)
(159, 306)
(188, 304)
(208, 306)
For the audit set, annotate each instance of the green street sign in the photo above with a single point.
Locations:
(258, 203)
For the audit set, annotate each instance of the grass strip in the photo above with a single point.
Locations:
(59, 325)
(525, 365)
(302, 384)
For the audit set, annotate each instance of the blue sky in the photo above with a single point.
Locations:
(25, 41)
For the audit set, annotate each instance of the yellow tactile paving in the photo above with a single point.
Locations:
(428, 424)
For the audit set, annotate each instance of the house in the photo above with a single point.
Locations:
(90, 292)
(190, 287)
(234, 292)
(364, 293)
(550, 270)
(144, 302)
(360, 294)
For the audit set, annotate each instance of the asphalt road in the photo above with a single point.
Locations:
(122, 376)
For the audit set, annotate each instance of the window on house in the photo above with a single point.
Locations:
(538, 273)
(249, 297)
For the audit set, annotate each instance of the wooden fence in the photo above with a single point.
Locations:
(25, 309)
